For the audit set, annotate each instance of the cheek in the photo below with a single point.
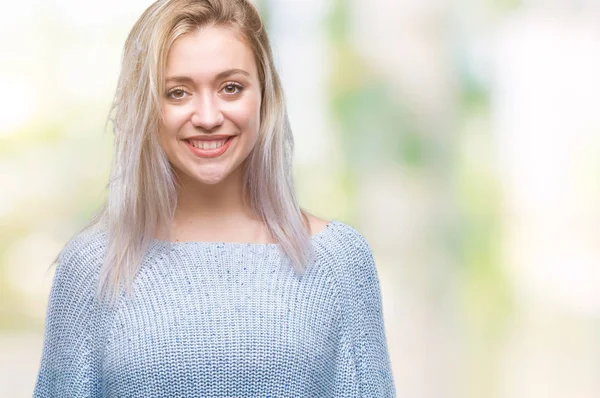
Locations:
(173, 119)
(247, 116)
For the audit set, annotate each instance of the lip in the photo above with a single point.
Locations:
(211, 137)
(210, 153)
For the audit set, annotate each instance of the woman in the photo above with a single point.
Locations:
(202, 276)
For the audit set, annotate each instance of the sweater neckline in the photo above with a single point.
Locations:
(187, 244)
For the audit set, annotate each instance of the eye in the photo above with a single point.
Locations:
(231, 87)
(177, 93)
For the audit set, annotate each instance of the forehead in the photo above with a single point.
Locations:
(204, 53)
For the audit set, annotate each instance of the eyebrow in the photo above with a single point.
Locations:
(220, 75)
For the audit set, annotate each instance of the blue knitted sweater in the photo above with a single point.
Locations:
(210, 319)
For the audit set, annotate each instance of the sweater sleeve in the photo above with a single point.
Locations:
(366, 322)
(67, 366)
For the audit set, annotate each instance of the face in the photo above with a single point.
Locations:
(211, 105)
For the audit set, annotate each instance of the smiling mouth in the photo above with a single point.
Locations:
(209, 148)
(208, 144)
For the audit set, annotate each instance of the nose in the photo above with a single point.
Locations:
(207, 112)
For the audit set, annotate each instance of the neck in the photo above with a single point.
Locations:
(202, 203)
(214, 213)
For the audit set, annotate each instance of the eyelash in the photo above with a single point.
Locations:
(228, 84)
(234, 84)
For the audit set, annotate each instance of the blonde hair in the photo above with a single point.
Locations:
(142, 192)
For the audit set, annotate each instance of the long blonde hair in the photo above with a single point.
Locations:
(142, 192)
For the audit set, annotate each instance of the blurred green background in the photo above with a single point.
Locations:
(461, 138)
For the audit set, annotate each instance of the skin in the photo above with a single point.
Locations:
(210, 205)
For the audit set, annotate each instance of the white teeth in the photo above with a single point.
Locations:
(203, 144)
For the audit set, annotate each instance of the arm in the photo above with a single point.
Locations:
(366, 321)
(67, 367)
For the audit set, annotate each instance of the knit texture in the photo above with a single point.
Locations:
(210, 319)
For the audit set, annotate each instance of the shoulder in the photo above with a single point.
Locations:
(72, 300)
(346, 234)
(84, 246)
(344, 242)
(79, 261)
(317, 225)
(355, 262)
(348, 255)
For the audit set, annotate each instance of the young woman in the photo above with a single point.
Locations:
(201, 276)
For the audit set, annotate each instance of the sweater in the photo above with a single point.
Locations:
(219, 319)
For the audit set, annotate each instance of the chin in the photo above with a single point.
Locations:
(208, 174)
(208, 180)
(211, 178)
(213, 181)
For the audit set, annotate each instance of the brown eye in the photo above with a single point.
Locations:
(232, 88)
(177, 94)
